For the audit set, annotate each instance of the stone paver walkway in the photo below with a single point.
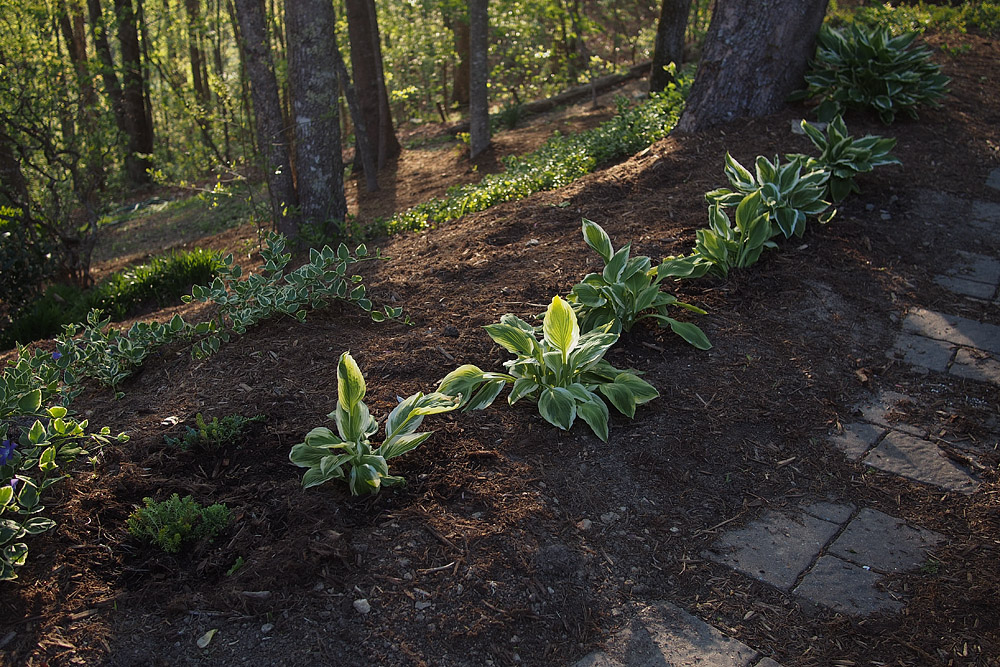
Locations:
(831, 553)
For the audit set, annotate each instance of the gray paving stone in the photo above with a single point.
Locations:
(953, 329)
(973, 266)
(976, 365)
(775, 549)
(966, 287)
(832, 512)
(878, 410)
(663, 635)
(920, 460)
(923, 352)
(993, 180)
(846, 588)
(884, 543)
(767, 662)
(856, 439)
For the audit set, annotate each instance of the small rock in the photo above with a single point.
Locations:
(869, 207)
(515, 640)
(362, 606)
(610, 517)
(319, 586)
(886, 215)
(267, 627)
(423, 605)
(585, 524)
(532, 242)
(450, 331)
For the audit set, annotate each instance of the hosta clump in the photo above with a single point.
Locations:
(349, 454)
(564, 371)
(171, 523)
(626, 291)
(868, 68)
(842, 156)
(788, 195)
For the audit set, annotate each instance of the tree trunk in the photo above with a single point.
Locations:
(458, 23)
(669, 47)
(756, 53)
(367, 155)
(267, 115)
(312, 76)
(137, 122)
(479, 109)
(369, 79)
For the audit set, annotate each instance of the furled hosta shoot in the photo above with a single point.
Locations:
(868, 68)
(842, 156)
(348, 454)
(628, 290)
(564, 372)
(787, 194)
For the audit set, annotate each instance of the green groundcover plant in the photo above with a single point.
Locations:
(172, 523)
(564, 372)
(625, 292)
(349, 454)
(842, 157)
(862, 67)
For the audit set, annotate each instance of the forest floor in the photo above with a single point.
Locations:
(515, 543)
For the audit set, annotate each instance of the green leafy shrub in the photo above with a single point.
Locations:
(842, 157)
(628, 290)
(921, 16)
(25, 264)
(563, 371)
(788, 195)
(171, 523)
(349, 454)
(214, 435)
(869, 68)
(560, 161)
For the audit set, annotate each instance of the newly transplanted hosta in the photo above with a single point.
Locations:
(564, 372)
(628, 290)
(868, 68)
(349, 454)
(786, 193)
(842, 156)
(722, 246)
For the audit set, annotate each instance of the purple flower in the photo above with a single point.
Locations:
(13, 483)
(56, 356)
(6, 451)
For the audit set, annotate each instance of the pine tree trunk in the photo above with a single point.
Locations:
(267, 115)
(312, 75)
(669, 47)
(479, 110)
(755, 55)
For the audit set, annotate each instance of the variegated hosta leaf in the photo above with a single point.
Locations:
(350, 382)
(560, 326)
(598, 239)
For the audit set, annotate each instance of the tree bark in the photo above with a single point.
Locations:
(479, 110)
(267, 115)
(756, 53)
(669, 46)
(312, 75)
(458, 22)
(369, 79)
(137, 123)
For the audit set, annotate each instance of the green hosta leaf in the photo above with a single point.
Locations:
(350, 382)
(522, 387)
(486, 395)
(620, 396)
(688, 331)
(614, 269)
(315, 477)
(512, 339)
(560, 326)
(595, 413)
(558, 407)
(598, 239)
(642, 391)
(402, 444)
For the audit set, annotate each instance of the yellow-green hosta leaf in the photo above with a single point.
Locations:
(558, 407)
(560, 327)
(595, 413)
(350, 382)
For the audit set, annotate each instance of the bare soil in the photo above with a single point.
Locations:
(482, 559)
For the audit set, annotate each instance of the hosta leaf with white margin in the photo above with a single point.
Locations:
(626, 291)
(564, 382)
(349, 454)
(842, 157)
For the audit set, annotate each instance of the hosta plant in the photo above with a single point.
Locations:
(868, 68)
(564, 371)
(626, 291)
(723, 246)
(842, 156)
(788, 195)
(349, 454)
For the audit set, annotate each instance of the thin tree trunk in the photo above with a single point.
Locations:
(369, 79)
(138, 127)
(267, 113)
(458, 23)
(755, 55)
(357, 117)
(312, 75)
(479, 110)
(669, 47)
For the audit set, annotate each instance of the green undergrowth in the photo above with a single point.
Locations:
(160, 282)
(921, 16)
(560, 161)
